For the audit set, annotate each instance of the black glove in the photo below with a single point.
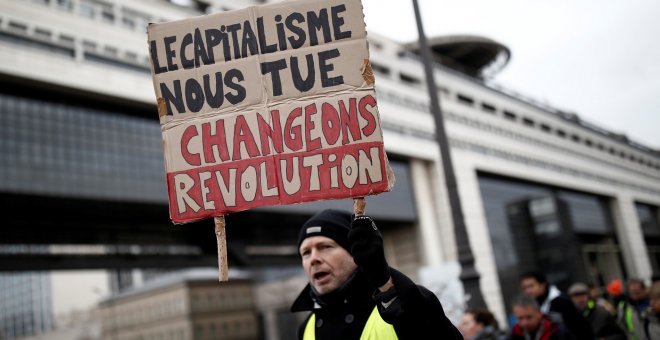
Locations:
(368, 251)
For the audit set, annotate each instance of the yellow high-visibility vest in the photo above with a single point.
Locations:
(375, 329)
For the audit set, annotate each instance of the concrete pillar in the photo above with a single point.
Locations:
(270, 325)
(138, 277)
(631, 238)
(426, 211)
(443, 214)
(479, 235)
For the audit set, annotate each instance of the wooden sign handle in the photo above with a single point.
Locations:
(358, 206)
(221, 237)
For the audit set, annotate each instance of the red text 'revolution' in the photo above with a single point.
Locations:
(339, 172)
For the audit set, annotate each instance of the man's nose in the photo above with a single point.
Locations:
(314, 256)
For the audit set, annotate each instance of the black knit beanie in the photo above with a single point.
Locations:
(331, 223)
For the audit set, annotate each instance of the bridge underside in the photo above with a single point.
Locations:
(48, 233)
(56, 233)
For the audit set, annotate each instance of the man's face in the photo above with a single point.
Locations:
(580, 300)
(636, 291)
(469, 327)
(528, 317)
(655, 304)
(326, 263)
(531, 287)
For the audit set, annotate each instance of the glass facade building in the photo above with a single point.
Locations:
(58, 148)
(568, 234)
(26, 304)
(649, 217)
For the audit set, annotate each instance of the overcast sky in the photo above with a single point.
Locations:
(599, 59)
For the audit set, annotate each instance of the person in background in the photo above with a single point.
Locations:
(652, 315)
(533, 324)
(479, 324)
(602, 322)
(638, 296)
(554, 304)
(353, 293)
(631, 307)
(615, 292)
(594, 294)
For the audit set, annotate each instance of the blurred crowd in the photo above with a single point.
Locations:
(623, 311)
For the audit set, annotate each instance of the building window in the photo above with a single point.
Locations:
(136, 18)
(575, 138)
(132, 56)
(528, 122)
(17, 26)
(128, 23)
(66, 5)
(89, 45)
(199, 332)
(509, 115)
(488, 107)
(87, 10)
(464, 99)
(546, 128)
(43, 33)
(378, 68)
(406, 78)
(110, 50)
(107, 14)
(67, 39)
(213, 334)
(561, 133)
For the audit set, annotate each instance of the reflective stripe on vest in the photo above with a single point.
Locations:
(627, 311)
(590, 307)
(375, 329)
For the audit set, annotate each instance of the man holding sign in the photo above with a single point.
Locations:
(353, 293)
(266, 105)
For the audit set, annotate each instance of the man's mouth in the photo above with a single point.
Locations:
(320, 275)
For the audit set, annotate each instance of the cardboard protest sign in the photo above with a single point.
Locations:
(267, 105)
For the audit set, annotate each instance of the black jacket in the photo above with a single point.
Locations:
(413, 310)
(575, 323)
(603, 323)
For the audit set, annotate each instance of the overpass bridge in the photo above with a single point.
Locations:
(47, 232)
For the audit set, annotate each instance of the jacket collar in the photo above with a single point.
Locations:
(545, 300)
(545, 331)
(356, 288)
